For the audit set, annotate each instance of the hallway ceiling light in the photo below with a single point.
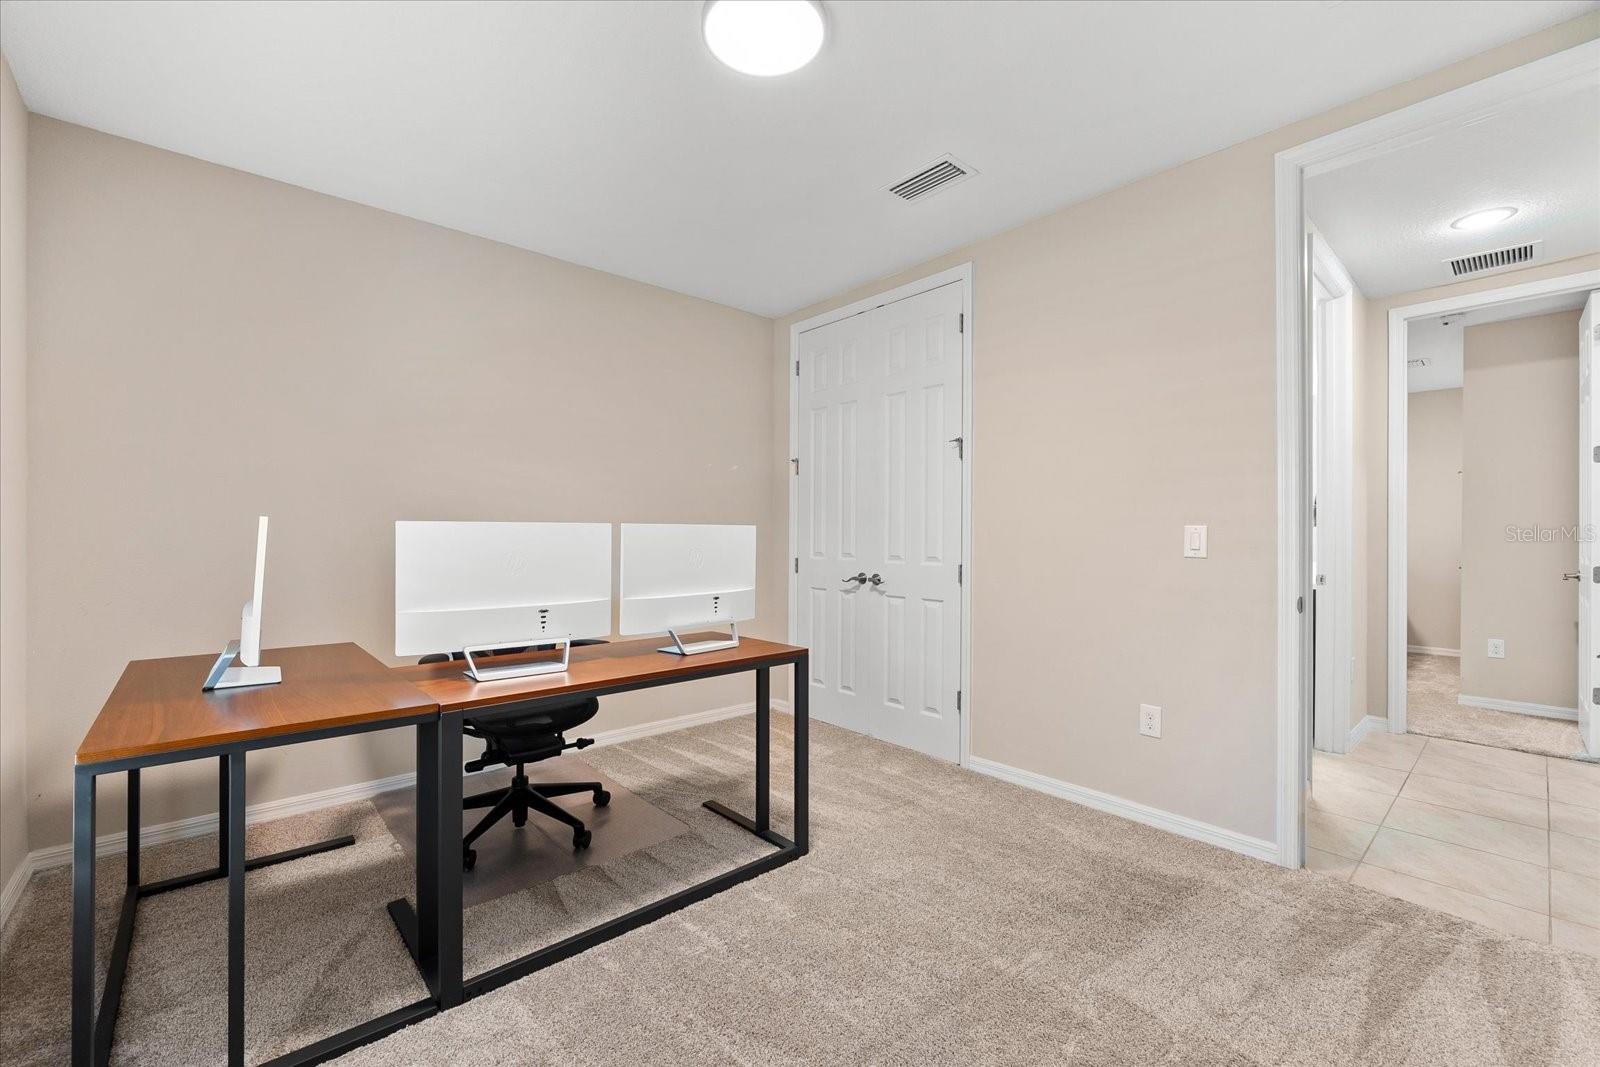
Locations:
(763, 37)
(1482, 220)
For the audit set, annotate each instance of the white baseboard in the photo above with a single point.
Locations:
(1368, 724)
(1182, 825)
(44, 859)
(11, 895)
(1519, 707)
(1426, 651)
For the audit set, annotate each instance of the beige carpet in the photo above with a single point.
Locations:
(1432, 685)
(942, 918)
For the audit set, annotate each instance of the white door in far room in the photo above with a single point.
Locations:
(1588, 557)
(879, 519)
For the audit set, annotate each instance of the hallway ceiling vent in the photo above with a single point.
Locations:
(940, 174)
(1496, 260)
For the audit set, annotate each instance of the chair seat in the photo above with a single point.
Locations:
(532, 735)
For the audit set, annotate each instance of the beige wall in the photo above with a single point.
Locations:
(1123, 386)
(208, 345)
(1372, 447)
(1433, 519)
(13, 475)
(1520, 452)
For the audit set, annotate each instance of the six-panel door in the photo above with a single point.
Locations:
(879, 498)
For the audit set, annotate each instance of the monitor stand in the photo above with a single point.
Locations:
(517, 670)
(222, 676)
(678, 648)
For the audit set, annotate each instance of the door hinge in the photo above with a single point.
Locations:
(958, 700)
(796, 463)
(961, 322)
(797, 368)
(961, 570)
(1597, 453)
(797, 564)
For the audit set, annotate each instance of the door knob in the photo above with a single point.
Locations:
(860, 579)
(876, 580)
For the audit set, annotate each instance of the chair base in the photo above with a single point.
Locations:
(521, 797)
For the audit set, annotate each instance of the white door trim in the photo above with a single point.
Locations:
(962, 273)
(1399, 320)
(1371, 138)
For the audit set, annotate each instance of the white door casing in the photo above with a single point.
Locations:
(1588, 486)
(879, 494)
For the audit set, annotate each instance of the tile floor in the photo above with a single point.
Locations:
(1507, 839)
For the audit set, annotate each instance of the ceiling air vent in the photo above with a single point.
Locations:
(1497, 260)
(940, 174)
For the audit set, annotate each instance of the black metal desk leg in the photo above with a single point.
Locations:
(802, 753)
(426, 800)
(222, 814)
(235, 865)
(763, 749)
(432, 930)
(448, 858)
(83, 978)
(133, 828)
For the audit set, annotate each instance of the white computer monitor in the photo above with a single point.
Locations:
(473, 587)
(247, 650)
(250, 617)
(682, 577)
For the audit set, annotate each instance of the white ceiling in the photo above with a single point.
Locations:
(1388, 218)
(1442, 340)
(605, 134)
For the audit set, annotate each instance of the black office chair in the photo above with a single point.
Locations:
(515, 740)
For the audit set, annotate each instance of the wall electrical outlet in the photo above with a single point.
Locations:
(1497, 648)
(1149, 720)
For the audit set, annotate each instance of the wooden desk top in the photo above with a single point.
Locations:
(157, 705)
(593, 667)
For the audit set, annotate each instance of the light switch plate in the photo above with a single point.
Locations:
(1497, 648)
(1194, 542)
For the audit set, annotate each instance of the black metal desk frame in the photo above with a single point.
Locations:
(447, 939)
(92, 1032)
(432, 930)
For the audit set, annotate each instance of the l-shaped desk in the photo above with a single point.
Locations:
(157, 715)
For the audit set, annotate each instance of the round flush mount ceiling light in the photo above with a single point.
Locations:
(764, 37)
(1482, 220)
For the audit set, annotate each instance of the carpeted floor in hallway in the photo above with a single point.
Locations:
(1432, 685)
(943, 917)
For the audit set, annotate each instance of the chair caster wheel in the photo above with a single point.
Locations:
(602, 798)
(469, 859)
(580, 839)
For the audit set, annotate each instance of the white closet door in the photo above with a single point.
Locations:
(833, 410)
(879, 496)
(916, 345)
